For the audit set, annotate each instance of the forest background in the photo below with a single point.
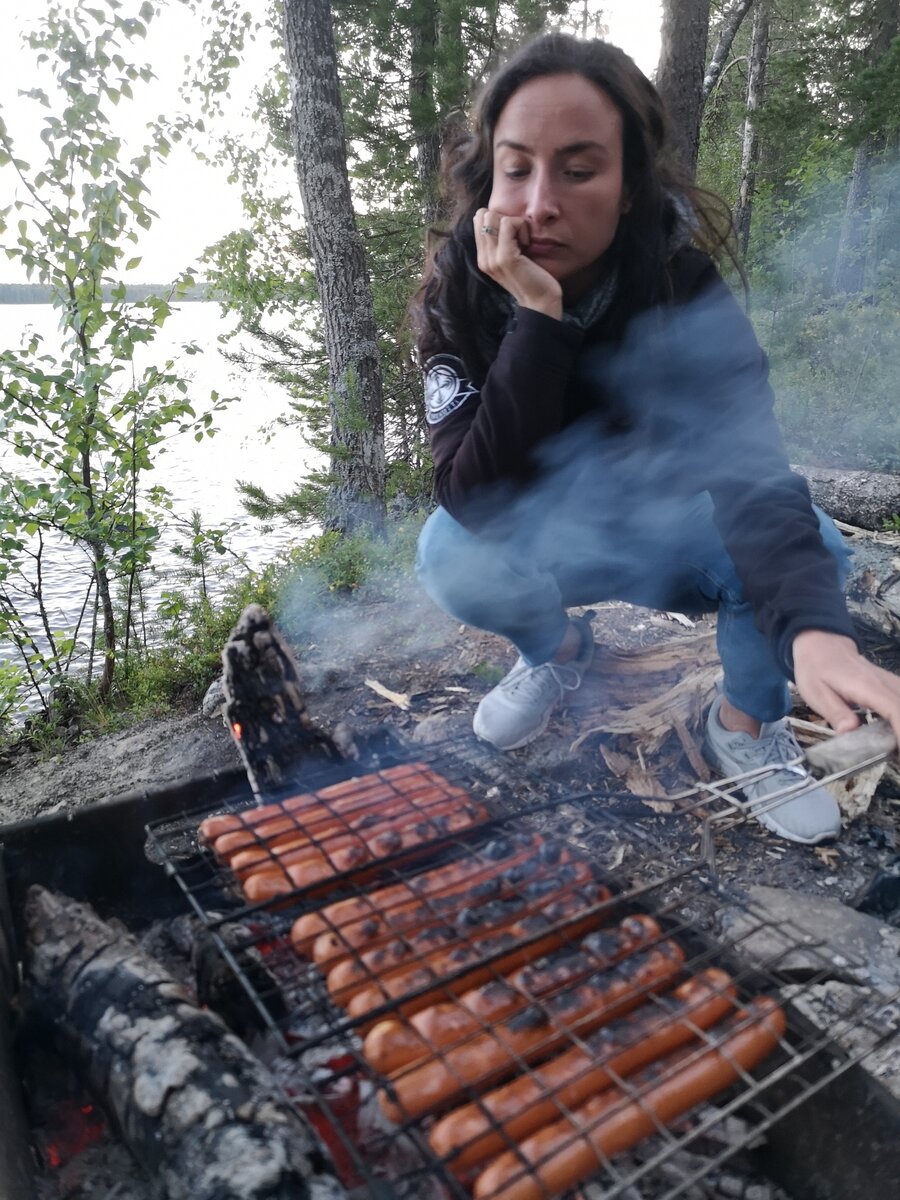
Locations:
(787, 109)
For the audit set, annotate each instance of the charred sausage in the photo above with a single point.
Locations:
(564, 1153)
(470, 1134)
(479, 866)
(528, 968)
(478, 1008)
(516, 938)
(536, 1031)
(454, 920)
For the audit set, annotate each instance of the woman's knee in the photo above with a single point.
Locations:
(447, 558)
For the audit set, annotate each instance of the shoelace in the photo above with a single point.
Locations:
(530, 680)
(783, 749)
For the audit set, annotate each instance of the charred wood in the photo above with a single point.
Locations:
(264, 704)
(201, 1114)
(16, 1167)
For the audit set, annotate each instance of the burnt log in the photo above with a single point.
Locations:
(16, 1167)
(863, 498)
(195, 1107)
(264, 705)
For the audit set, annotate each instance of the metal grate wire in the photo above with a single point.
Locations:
(319, 1047)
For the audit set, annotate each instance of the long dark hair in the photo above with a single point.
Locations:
(459, 308)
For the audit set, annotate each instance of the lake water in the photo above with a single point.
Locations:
(200, 475)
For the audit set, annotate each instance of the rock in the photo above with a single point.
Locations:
(214, 699)
(151, 755)
(439, 728)
(859, 948)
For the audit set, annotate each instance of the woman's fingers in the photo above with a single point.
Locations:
(500, 242)
(833, 676)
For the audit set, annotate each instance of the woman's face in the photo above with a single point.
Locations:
(558, 164)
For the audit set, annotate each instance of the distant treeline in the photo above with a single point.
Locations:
(36, 293)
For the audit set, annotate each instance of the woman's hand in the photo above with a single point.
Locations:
(831, 674)
(501, 242)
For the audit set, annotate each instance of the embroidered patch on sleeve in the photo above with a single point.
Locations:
(446, 387)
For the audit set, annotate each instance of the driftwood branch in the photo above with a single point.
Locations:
(862, 498)
(193, 1105)
(731, 24)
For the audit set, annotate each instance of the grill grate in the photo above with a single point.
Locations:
(320, 1050)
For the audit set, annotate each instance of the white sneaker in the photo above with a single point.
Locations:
(810, 817)
(518, 709)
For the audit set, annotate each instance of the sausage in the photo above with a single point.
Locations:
(468, 1135)
(534, 1031)
(277, 830)
(446, 922)
(452, 1022)
(566, 1152)
(273, 881)
(433, 968)
(334, 796)
(335, 835)
(478, 866)
(295, 829)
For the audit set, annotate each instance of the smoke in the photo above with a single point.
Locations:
(393, 619)
(824, 303)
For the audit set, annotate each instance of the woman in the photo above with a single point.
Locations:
(602, 427)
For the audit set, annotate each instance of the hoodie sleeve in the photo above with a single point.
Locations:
(483, 437)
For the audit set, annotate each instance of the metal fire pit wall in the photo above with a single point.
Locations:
(798, 1096)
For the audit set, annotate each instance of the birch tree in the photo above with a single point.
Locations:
(856, 228)
(756, 80)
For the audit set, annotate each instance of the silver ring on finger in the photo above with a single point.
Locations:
(490, 230)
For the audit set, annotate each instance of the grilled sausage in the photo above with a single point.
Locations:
(277, 830)
(480, 865)
(454, 920)
(470, 1134)
(332, 797)
(536, 1031)
(452, 1022)
(271, 882)
(434, 967)
(343, 833)
(566, 1152)
(241, 849)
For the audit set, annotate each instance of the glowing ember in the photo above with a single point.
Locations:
(76, 1126)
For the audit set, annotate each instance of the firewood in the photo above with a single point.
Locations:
(194, 1106)
(264, 705)
(15, 1164)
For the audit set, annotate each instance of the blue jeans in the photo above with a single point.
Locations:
(519, 585)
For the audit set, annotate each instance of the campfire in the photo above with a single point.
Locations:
(404, 975)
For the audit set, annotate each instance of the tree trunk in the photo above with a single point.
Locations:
(422, 107)
(854, 243)
(756, 80)
(356, 405)
(679, 75)
(731, 23)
